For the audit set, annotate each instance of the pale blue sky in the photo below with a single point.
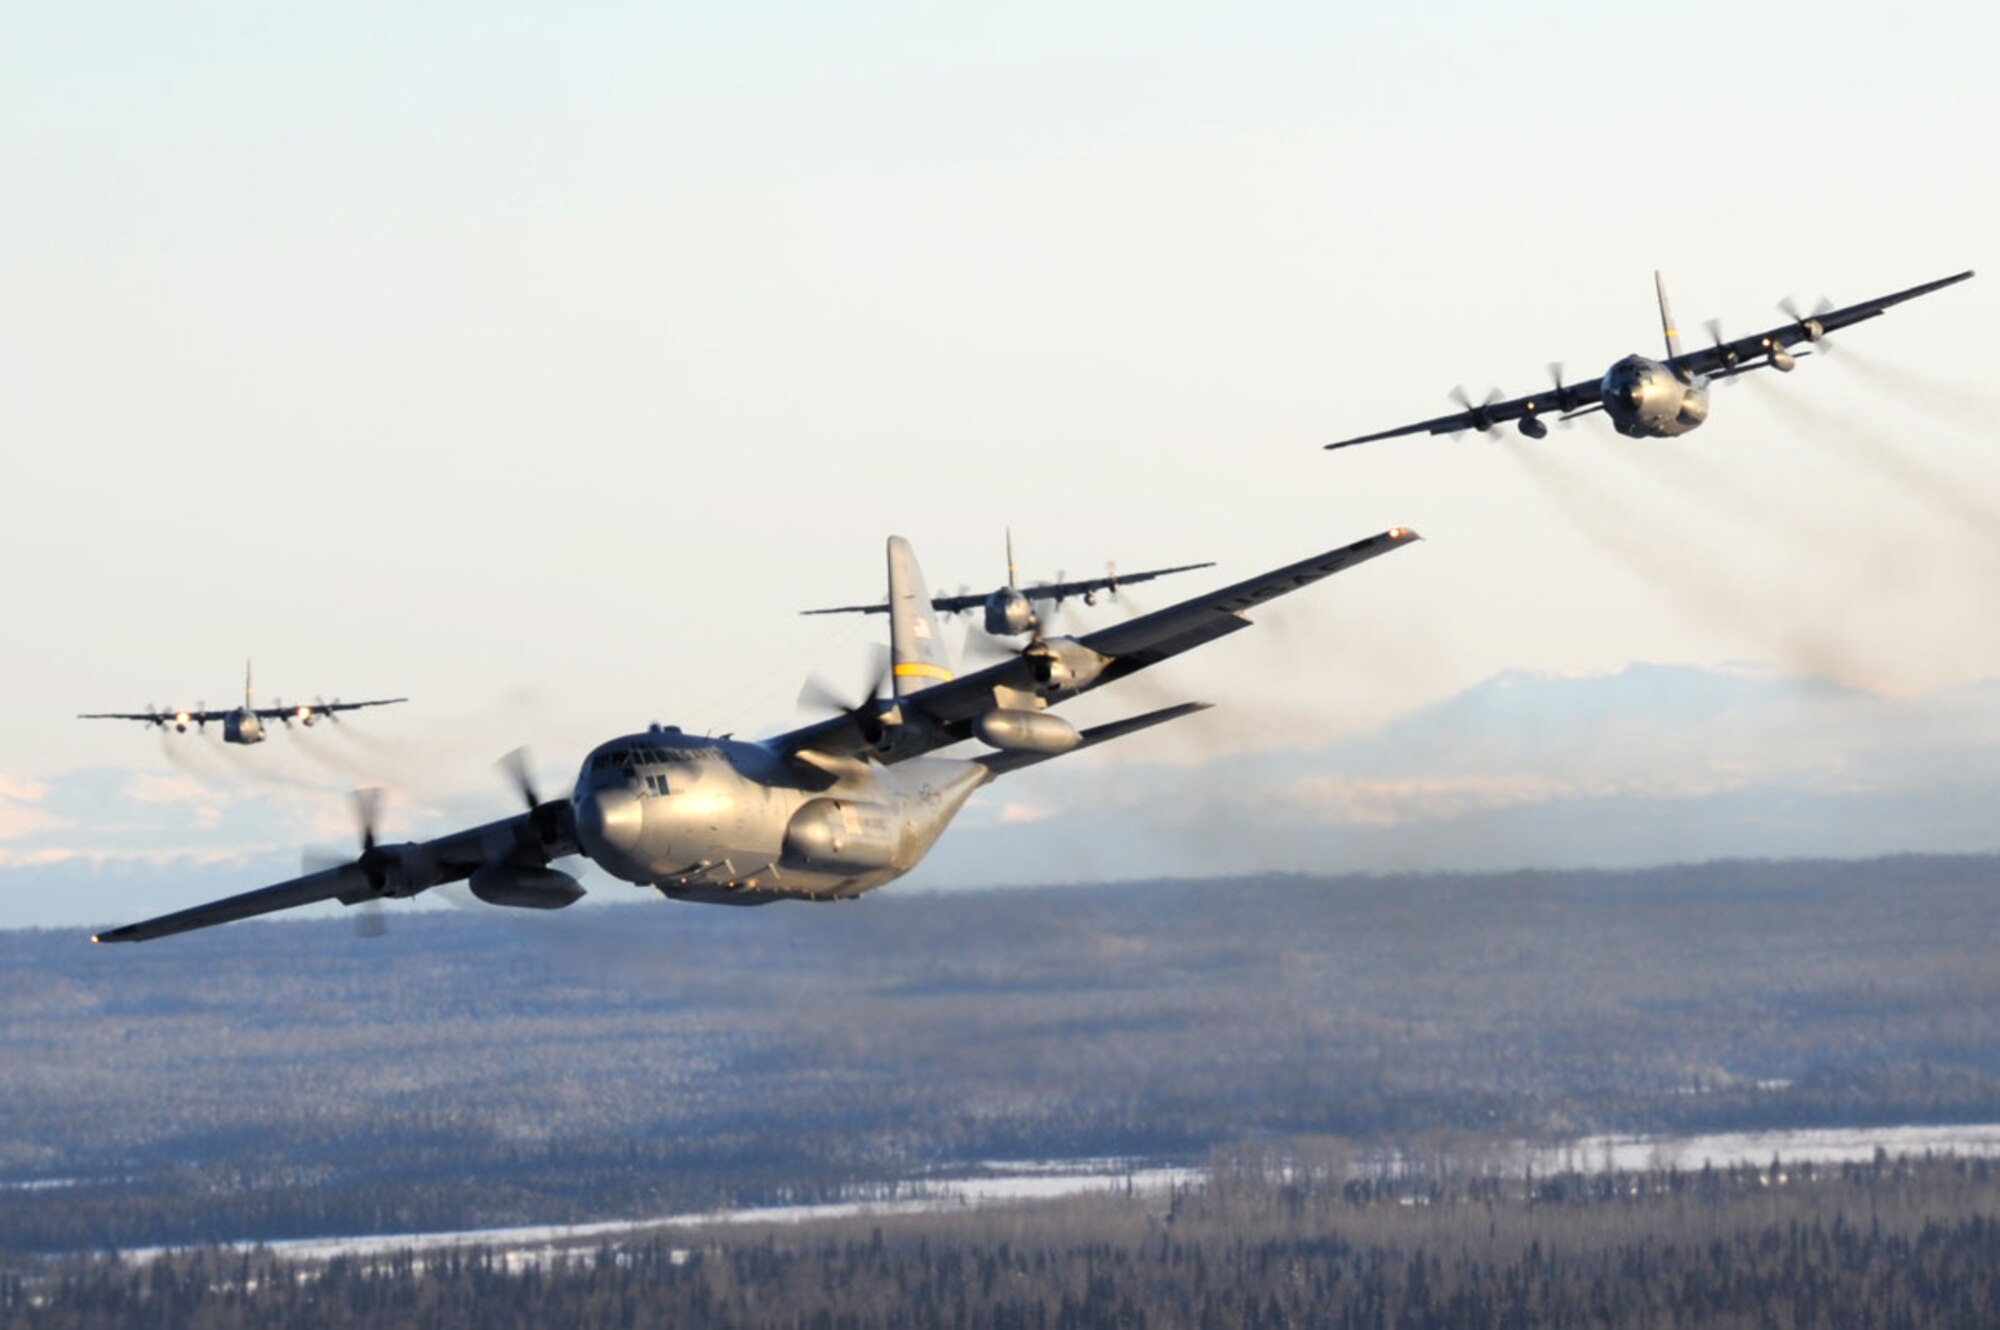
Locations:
(540, 364)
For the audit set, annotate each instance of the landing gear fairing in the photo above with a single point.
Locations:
(1658, 399)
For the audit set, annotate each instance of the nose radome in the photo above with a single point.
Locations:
(609, 820)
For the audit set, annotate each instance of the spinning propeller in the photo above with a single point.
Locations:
(866, 708)
(545, 817)
(1480, 420)
(1808, 324)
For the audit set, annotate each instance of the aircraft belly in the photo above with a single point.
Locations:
(749, 853)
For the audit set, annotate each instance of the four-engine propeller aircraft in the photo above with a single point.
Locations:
(244, 724)
(825, 812)
(1659, 399)
(1010, 610)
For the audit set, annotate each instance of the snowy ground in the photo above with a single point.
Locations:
(1039, 1181)
(1007, 1182)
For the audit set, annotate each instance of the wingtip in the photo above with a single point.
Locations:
(1402, 533)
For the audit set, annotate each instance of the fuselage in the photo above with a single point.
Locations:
(242, 726)
(1650, 400)
(727, 821)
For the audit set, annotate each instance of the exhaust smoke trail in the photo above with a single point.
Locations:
(1840, 437)
(1705, 588)
(1977, 411)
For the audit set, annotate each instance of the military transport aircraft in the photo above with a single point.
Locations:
(1010, 610)
(1658, 399)
(825, 812)
(244, 724)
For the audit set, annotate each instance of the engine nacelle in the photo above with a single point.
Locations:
(1782, 360)
(525, 888)
(1026, 731)
(1063, 665)
(1533, 427)
(841, 835)
(1008, 613)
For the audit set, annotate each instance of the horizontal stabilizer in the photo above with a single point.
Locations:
(1001, 763)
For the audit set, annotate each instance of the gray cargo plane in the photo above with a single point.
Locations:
(244, 724)
(1010, 610)
(825, 812)
(1658, 399)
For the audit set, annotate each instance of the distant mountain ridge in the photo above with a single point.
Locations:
(1652, 763)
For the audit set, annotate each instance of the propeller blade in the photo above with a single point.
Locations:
(819, 695)
(370, 919)
(1464, 399)
(1790, 308)
(367, 809)
(517, 768)
(982, 648)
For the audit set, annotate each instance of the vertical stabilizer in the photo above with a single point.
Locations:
(1013, 569)
(1667, 327)
(247, 703)
(916, 646)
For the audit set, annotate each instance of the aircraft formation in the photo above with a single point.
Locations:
(839, 807)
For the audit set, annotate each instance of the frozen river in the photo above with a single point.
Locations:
(1013, 1182)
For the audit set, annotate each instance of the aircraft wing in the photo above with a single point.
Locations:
(1747, 353)
(158, 717)
(526, 840)
(1040, 591)
(1155, 637)
(323, 708)
(1109, 582)
(948, 709)
(1555, 401)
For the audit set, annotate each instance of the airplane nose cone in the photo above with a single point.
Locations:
(609, 822)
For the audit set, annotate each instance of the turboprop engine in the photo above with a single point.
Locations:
(1026, 731)
(1062, 665)
(525, 888)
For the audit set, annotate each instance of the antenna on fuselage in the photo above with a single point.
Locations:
(1667, 317)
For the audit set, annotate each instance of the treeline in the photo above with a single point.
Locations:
(1276, 1239)
(487, 1067)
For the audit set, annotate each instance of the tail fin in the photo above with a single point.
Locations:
(917, 650)
(247, 703)
(1667, 316)
(1013, 569)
